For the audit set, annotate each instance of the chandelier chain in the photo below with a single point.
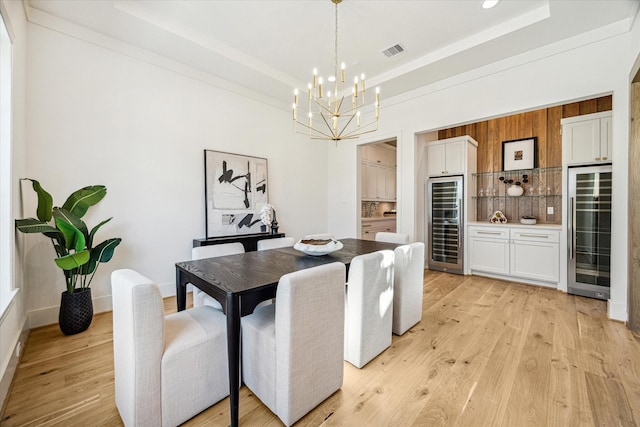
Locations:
(335, 63)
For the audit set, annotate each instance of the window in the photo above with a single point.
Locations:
(6, 223)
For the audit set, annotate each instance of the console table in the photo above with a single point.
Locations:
(249, 241)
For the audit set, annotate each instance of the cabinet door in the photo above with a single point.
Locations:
(436, 159)
(390, 183)
(367, 232)
(489, 255)
(370, 182)
(535, 260)
(581, 141)
(454, 158)
(381, 182)
(388, 157)
(605, 139)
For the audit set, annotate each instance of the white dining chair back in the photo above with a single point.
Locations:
(368, 307)
(153, 386)
(212, 251)
(385, 236)
(292, 351)
(408, 286)
(279, 242)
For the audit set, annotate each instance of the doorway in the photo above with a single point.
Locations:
(378, 178)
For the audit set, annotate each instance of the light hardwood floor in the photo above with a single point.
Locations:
(486, 353)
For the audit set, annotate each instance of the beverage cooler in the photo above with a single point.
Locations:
(589, 231)
(445, 224)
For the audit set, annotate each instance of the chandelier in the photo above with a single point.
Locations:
(334, 115)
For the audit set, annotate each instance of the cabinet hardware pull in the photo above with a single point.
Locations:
(489, 232)
(541, 236)
(597, 158)
(571, 228)
(604, 158)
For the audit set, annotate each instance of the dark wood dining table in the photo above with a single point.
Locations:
(240, 282)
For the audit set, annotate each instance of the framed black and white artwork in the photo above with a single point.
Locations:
(236, 189)
(520, 154)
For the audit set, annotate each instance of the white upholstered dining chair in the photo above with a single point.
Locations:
(292, 351)
(385, 236)
(200, 298)
(408, 286)
(279, 242)
(368, 307)
(167, 369)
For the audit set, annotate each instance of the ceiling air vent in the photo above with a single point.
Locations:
(393, 50)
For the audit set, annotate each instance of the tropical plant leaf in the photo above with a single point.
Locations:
(71, 219)
(32, 225)
(73, 238)
(101, 253)
(94, 230)
(105, 249)
(80, 200)
(71, 261)
(45, 201)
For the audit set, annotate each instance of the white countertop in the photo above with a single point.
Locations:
(516, 224)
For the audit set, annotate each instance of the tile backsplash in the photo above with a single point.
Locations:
(376, 209)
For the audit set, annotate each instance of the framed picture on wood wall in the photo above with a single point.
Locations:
(520, 154)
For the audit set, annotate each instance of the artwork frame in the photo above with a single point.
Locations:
(236, 189)
(520, 154)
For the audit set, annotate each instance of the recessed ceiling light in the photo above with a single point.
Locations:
(488, 4)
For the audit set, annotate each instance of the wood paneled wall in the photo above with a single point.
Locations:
(544, 124)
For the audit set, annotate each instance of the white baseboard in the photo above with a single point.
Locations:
(49, 315)
(617, 311)
(7, 377)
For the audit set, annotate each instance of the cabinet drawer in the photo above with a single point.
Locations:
(489, 233)
(546, 236)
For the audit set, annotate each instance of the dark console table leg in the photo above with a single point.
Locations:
(233, 350)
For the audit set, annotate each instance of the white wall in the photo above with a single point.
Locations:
(12, 322)
(97, 116)
(549, 76)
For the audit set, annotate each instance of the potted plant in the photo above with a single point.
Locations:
(77, 255)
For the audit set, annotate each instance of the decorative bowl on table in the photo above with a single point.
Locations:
(317, 247)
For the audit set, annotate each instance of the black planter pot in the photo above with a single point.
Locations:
(76, 311)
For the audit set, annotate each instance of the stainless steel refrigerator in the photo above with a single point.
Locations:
(445, 198)
(589, 231)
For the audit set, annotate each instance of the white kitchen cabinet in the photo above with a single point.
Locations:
(535, 254)
(379, 182)
(514, 252)
(586, 139)
(378, 168)
(390, 183)
(370, 227)
(373, 153)
(489, 250)
(447, 157)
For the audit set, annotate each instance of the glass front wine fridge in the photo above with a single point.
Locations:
(445, 224)
(589, 231)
